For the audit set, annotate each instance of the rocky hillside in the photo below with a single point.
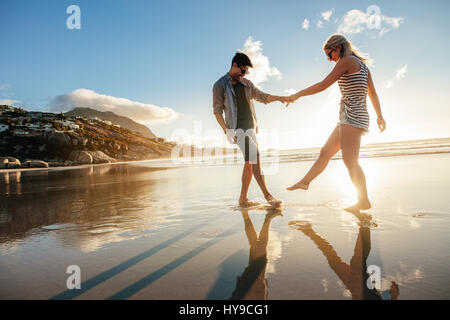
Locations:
(124, 122)
(92, 143)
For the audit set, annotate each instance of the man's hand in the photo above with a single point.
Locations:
(285, 100)
(230, 136)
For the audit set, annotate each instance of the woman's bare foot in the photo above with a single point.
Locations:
(361, 205)
(247, 203)
(272, 213)
(299, 185)
(304, 226)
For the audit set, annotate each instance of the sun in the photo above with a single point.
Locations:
(340, 177)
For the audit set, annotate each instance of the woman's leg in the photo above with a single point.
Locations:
(350, 140)
(330, 148)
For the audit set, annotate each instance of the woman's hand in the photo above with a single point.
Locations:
(381, 123)
(291, 99)
(285, 100)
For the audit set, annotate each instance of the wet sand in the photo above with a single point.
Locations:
(141, 233)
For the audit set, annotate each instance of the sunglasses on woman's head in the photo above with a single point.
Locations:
(329, 54)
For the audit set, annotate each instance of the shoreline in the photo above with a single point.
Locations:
(194, 160)
(79, 166)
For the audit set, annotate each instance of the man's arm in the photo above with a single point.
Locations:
(271, 98)
(218, 106)
(228, 132)
(263, 97)
(221, 121)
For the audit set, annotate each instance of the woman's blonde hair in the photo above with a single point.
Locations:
(347, 49)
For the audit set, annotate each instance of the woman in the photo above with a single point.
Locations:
(355, 83)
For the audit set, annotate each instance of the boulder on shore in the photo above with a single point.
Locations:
(69, 163)
(81, 157)
(3, 163)
(90, 157)
(34, 164)
(100, 157)
(55, 164)
(9, 163)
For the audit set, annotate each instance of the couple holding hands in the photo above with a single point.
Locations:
(233, 96)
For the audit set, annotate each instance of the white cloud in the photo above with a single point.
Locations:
(4, 86)
(261, 70)
(356, 21)
(394, 22)
(274, 248)
(290, 91)
(9, 102)
(399, 75)
(319, 24)
(141, 112)
(327, 14)
(382, 32)
(389, 84)
(305, 24)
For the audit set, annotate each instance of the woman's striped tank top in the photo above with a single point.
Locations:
(354, 96)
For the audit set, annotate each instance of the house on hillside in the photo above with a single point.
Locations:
(34, 114)
(7, 108)
(21, 131)
(4, 127)
(69, 124)
(35, 125)
(48, 115)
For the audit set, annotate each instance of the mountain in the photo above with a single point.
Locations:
(124, 122)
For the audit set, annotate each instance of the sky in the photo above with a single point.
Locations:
(156, 62)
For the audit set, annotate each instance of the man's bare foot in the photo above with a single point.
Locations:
(361, 205)
(247, 203)
(273, 201)
(299, 185)
(272, 213)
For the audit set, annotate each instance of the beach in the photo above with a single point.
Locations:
(141, 232)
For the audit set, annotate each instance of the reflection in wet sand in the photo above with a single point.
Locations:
(252, 284)
(141, 233)
(353, 275)
(85, 208)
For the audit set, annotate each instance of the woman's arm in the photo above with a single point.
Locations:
(340, 68)
(372, 93)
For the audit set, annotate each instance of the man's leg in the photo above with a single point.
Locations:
(252, 153)
(246, 179)
(261, 179)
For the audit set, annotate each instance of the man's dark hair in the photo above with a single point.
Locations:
(242, 60)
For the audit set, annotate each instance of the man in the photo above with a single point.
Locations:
(233, 95)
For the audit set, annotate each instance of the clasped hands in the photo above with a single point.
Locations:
(287, 100)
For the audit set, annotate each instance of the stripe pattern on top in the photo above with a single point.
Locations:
(354, 96)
